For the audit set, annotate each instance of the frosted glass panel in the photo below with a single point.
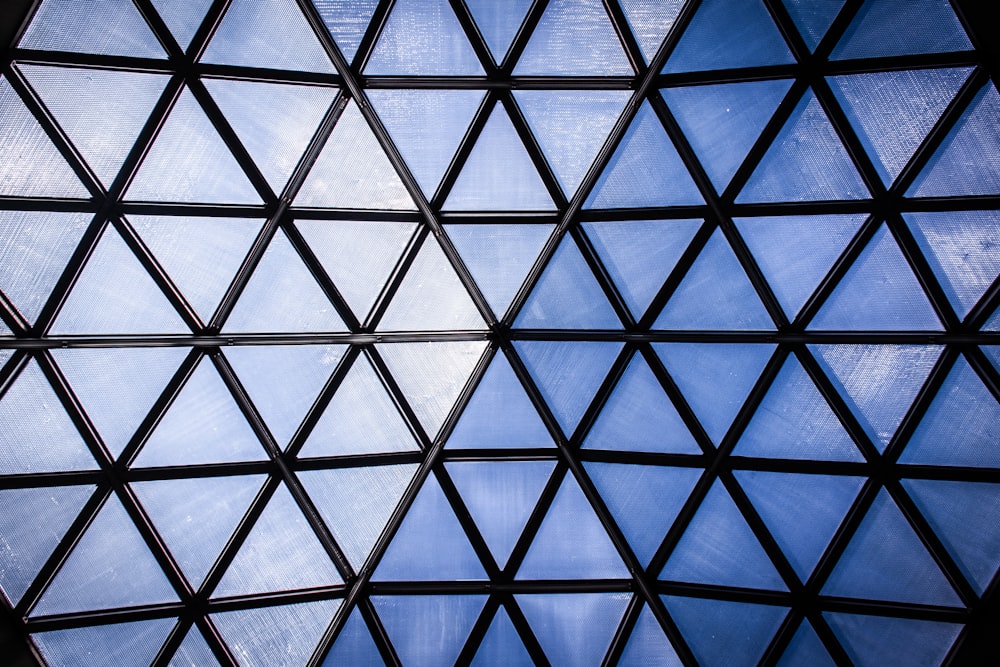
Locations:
(110, 566)
(36, 433)
(116, 645)
(102, 111)
(729, 33)
(355, 503)
(574, 629)
(254, 33)
(32, 522)
(281, 553)
(423, 37)
(573, 37)
(34, 254)
(268, 636)
(31, 166)
(108, 26)
(190, 162)
(428, 630)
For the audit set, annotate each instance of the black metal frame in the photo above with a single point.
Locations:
(958, 339)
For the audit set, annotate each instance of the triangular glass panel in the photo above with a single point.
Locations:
(201, 255)
(961, 427)
(265, 306)
(499, 414)
(360, 419)
(796, 252)
(283, 381)
(648, 645)
(285, 635)
(427, 126)
(715, 294)
(570, 127)
(114, 645)
(650, 21)
(423, 38)
(878, 382)
(30, 164)
(992, 353)
(722, 121)
(431, 375)
(993, 324)
(118, 386)
(813, 18)
(498, 22)
(638, 416)
(794, 421)
(189, 162)
(644, 500)
(183, 19)
(806, 649)
(715, 379)
(110, 566)
(499, 173)
(108, 27)
(356, 503)
(718, 547)
(346, 21)
(195, 517)
(963, 516)
(202, 425)
(194, 651)
(726, 34)
(102, 111)
(281, 553)
(274, 121)
(567, 295)
(931, 27)
(964, 163)
(32, 523)
(353, 171)
(499, 256)
(358, 256)
(428, 630)
(115, 294)
(36, 434)
(645, 170)
(354, 645)
(430, 543)
(431, 296)
(879, 292)
(501, 645)
(36, 247)
(568, 374)
(500, 496)
(887, 561)
(802, 512)
(892, 112)
(806, 162)
(719, 630)
(871, 641)
(571, 543)
(574, 628)
(960, 247)
(640, 254)
(256, 33)
(574, 37)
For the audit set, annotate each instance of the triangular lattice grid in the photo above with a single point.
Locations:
(575, 333)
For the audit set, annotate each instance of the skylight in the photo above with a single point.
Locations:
(568, 332)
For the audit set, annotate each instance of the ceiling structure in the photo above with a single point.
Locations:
(569, 332)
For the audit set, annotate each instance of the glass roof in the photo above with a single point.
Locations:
(569, 332)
